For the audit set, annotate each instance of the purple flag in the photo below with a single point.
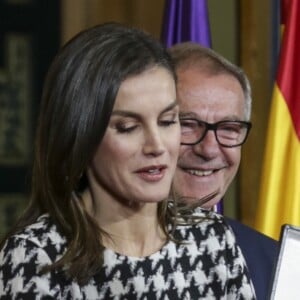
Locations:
(186, 20)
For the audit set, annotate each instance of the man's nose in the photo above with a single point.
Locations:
(208, 146)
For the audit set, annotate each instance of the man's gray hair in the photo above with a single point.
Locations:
(188, 54)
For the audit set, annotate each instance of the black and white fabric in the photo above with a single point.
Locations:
(209, 266)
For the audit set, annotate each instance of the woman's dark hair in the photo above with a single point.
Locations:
(78, 97)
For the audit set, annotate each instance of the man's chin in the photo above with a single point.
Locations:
(203, 201)
(211, 203)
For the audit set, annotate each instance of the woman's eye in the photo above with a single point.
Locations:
(125, 128)
(167, 123)
(169, 120)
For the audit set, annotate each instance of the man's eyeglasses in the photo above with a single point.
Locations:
(228, 133)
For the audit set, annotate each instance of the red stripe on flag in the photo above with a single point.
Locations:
(288, 78)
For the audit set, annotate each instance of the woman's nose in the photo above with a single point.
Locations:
(153, 144)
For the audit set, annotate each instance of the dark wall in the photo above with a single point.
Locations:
(29, 39)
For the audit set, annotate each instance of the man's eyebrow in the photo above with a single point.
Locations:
(131, 114)
(188, 115)
(193, 115)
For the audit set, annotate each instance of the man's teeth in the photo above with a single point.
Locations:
(200, 173)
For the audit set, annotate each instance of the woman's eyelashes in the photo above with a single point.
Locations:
(168, 121)
(128, 126)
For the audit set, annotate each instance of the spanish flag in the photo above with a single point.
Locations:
(279, 199)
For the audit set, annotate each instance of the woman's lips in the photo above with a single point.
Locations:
(152, 173)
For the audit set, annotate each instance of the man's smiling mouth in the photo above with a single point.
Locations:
(199, 173)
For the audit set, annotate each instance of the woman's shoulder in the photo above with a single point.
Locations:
(206, 225)
(207, 213)
(208, 218)
(42, 234)
(23, 256)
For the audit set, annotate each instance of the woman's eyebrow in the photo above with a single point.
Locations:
(128, 113)
(125, 113)
(170, 106)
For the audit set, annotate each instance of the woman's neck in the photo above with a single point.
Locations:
(132, 229)
(137, 243)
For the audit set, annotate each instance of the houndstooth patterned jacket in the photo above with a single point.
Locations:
(209, 266)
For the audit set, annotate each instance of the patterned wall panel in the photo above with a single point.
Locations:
(29, 38)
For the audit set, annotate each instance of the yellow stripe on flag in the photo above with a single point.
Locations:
(280, 186)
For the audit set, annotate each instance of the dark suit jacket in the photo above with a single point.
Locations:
(260, 253)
